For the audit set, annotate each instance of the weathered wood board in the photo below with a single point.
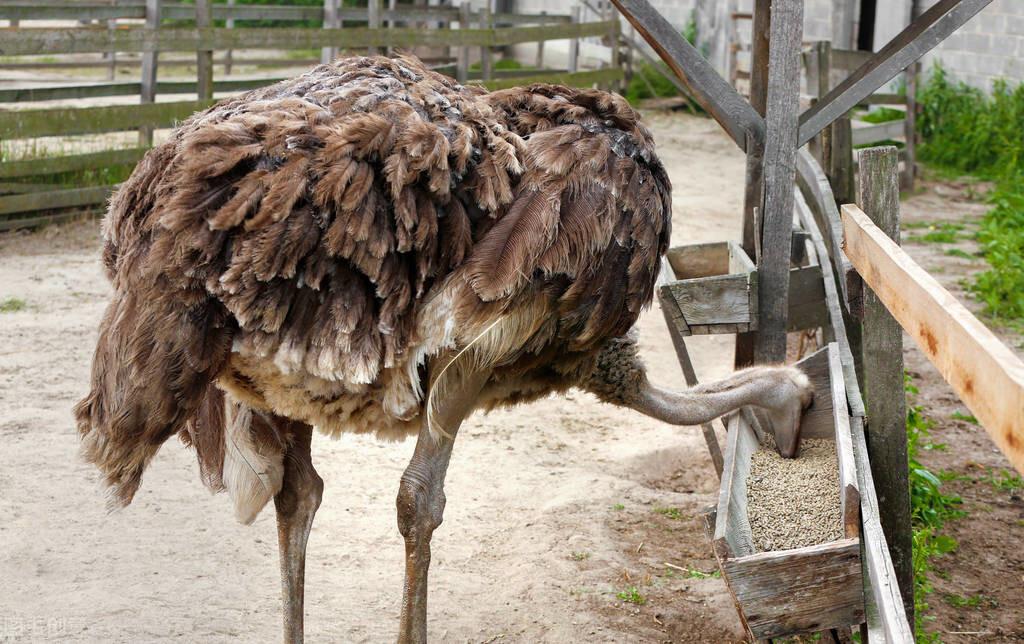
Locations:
(802, 589)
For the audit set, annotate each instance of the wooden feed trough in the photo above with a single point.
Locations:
(800, 590)
(713, 288)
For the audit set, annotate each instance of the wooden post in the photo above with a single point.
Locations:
(147, 93)
(782, 128)
(882, 356)
(486, 57)
(823, 82)
(540, 49)
(392, 4)
(112, 55)
(753, 195)
(331, 21)
(229, 54)
(374, 22)
(574, 44)
(840, 166)
(910, 128)
(462, 64)
(204, 57)
(614, 60)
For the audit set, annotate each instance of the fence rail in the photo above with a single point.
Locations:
(28, 194)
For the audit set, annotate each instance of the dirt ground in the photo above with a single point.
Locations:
(553, 509)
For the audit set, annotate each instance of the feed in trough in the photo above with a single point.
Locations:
(792, 503)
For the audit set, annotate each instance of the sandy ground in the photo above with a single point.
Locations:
(527, 489)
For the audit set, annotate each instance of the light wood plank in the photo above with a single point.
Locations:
(876, 132)
(988, 376)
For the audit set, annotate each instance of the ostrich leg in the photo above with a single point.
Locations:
(421, 499)
(296, 503)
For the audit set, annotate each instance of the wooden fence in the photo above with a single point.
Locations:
(34, 191)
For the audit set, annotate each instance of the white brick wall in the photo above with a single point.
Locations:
(988, 47)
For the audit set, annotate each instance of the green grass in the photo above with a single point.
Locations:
(618, 506)
(12, 305)
(930, 508)
(942, 233)
(972, 601)
(671, 513)
(632, 596)
(957, 252)
(969, 418)
(1003, 480)
(694, 573)
(882, 115)
(967, 131)
(580, 556)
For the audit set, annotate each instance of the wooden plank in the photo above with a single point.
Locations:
(849, 488)
(988, 376)
(837, 327)
(878, 574)
(53, 200)
(67, 121)
(883, 99)
(818, 420)
(578, 79)
(722, 299)
(733, 537)
(204, 57)
(56, 165)
(817, 191)
(910, 131)
(882, 350)
(125, 88)
(373, 22)
(147, 92)
(66, 40)
(798, 591)
(779, 173)
(331, 20)
(574, 43)
(923, 34)
(70, 12)
(486, 55)
(877, 132)
(710, 90)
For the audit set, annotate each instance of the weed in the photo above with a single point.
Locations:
(580, 556)
(944, 233)
(973, 601)
(962, 254)
(930, 508)
(12, 305)
(694, 573)
(967, 418)
(618, 506)
(882, 115)
(1003, 480)
(672, 513)
(632, 595)
(967, 131)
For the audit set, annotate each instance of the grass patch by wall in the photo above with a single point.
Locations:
(971, 132)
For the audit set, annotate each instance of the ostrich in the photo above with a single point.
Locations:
(371, 247)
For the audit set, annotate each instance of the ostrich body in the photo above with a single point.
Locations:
(371, 247)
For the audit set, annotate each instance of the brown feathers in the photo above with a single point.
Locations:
(313, 227)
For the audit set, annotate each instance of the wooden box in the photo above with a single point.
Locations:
(712, 288)
(806, 589)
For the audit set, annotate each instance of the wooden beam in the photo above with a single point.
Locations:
(67, 121)
(33, 201)
(753, 192)
(882, 594)
(73, 40)
(818, 192)
(878, 132)
(988, 376)
(150, 54)
(204, 57)
(71, 163)
(710, 90)
(779, 173)
(923, 34)
(885, 400)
